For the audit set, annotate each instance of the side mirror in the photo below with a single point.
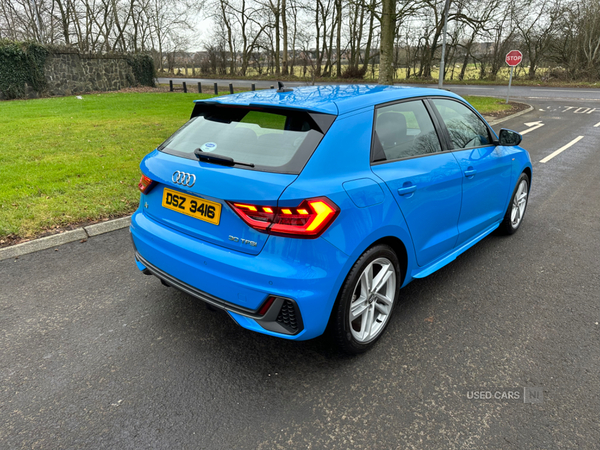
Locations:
(509, 137)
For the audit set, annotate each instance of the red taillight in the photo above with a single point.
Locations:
(145, 184)
(309, 219)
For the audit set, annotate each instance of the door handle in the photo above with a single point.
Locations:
(470, 172)
(406, 190)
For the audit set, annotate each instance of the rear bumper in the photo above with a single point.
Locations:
(304, 275)
(276, 318)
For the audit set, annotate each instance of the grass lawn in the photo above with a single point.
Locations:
(65, 161)
(487, 105)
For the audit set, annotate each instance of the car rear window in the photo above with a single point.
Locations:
(273, 140)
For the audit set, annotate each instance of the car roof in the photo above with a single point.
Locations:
(331, 99)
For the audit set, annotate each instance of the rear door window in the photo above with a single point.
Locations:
(279, 141)
(403, 130)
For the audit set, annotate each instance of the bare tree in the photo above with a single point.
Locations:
(536, 25)
(272, 35)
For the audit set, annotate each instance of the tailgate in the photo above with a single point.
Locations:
(195, 204)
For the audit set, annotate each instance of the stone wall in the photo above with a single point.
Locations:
(70, 72)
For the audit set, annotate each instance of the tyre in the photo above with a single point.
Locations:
(516, 208)
(366, 300)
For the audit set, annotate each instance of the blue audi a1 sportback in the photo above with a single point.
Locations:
(306, 209)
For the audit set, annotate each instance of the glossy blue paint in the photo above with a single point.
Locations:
(429, 208)
(338, 99)
(213, 183)
(450, 256)
(305, 270)
(428, 191)
(485, 188)
(364, 192)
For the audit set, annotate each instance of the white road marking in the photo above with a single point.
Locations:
(566, 90)
(562, 149)
(597, 125)
(529, 124)
(580, 110)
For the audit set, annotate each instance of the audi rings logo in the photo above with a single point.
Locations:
(183, 178)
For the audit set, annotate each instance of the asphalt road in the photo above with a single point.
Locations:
(96, 355)
(524, 92)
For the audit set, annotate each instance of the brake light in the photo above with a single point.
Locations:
(309, 219)
(145, 184)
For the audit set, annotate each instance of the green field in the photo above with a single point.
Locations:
(65, 161)
(472, 76)
(471, 73)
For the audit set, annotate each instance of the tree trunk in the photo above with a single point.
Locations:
(229, 38)
(284, 29)
(317, 71)
(369, 39)
(294, 36)
(388, 25)
(468, 47)
(64, 16)
(339, 38)
(277, 39)
(329, 65)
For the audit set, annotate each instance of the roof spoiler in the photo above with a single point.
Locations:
(282, 88)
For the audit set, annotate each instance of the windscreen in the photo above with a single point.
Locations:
(273, 140)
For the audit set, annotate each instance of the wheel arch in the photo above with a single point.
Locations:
(399, 249)
(397, 246)
(527, 170)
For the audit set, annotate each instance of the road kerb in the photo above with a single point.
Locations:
(105, 227)
(512, 116)
(55, 240)
(42, 243)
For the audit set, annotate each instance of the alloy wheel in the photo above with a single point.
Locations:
(372, 300)
(519, 203)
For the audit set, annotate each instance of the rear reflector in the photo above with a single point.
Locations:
(309, 220)
(145, 184)
(266, 305)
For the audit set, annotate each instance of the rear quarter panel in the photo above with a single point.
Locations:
(344, 156)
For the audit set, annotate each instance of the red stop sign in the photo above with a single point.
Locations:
(514, 57)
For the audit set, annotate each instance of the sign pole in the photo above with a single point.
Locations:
(442, 69)
(513, 58)
(509, 82)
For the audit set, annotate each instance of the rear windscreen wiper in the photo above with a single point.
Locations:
(218, 159)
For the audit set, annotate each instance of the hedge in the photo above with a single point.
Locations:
(21, 63)
(143, 69)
